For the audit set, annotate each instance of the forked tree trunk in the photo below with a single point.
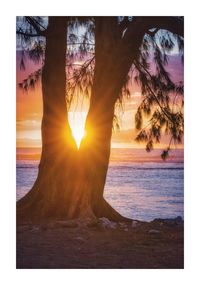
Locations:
(70, 184)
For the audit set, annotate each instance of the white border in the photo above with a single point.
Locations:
(104, 7)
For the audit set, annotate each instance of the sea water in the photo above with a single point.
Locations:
(138, 188)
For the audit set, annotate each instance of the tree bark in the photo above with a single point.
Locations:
(95, 147)
(49, 196)
(111, 69)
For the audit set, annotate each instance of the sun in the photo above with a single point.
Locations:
(78, 134)
(77, 123)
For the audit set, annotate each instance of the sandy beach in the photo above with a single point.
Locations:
(102, 244)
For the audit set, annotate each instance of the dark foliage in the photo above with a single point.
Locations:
(162, 98)
(162, 102)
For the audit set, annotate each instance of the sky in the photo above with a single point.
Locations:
(29, 111)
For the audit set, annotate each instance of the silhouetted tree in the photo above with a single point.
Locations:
(71, 183)
(117, 47)
(48, 196)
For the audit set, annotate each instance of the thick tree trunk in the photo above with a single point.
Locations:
(94, 151)
(70, 184)
(49, 196)
(109, 76)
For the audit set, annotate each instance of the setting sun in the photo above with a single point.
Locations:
(78, 134)
(77, 123)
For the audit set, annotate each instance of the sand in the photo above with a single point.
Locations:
(158, 244)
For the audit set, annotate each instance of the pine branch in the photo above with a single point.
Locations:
(141, 25)
(27, 34)
(82, 69)
(152, 33)
(152, 92)
(36, 26)
(81, 43)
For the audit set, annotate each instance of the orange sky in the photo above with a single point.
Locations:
(29, 114)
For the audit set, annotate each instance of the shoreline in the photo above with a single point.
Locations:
(101, 244)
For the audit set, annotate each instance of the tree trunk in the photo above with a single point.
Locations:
(94, 151)
(70, 184)
(111, 69)
(49, 197)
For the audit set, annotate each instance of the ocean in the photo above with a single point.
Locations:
(139, 185)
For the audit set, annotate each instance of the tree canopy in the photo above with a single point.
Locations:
(162, 97)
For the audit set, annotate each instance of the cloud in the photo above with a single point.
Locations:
(27, 125)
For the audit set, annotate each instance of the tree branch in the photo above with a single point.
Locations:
(84, 66)
(35, 25)
(153, 93)
(152, 33)
(27, 34)
(123, 25)
(141, 25)
(80, 43)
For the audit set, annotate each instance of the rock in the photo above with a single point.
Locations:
(152, 231)
(122, 225)
(107, 224)
(179, 220)
(134, 224)
(92, 223)
(67, 224)
(169, 222)
(87, 222)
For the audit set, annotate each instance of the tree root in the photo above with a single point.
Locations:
(104, 209)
